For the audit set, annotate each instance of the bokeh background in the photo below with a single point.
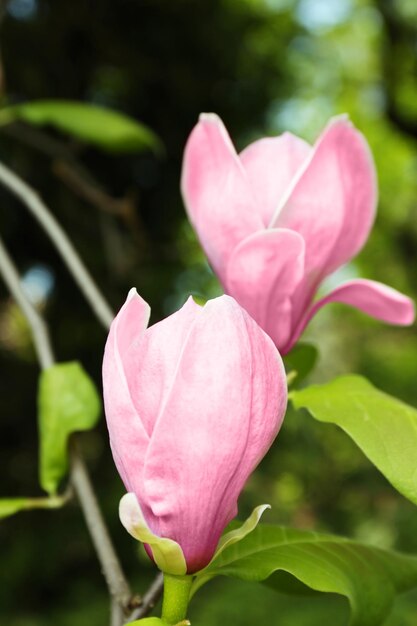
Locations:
(264, 66)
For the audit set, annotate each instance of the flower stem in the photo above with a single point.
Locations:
(176, 598)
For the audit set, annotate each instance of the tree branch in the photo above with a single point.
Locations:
(77, 178)
(116, 581)
(37, 326)
(117, 616)
(61, 241)
(149, 600)
(46, 358)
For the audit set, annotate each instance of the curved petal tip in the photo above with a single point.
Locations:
(209, 117)
(132, 293)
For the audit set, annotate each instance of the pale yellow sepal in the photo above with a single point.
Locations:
(239, 533)
(167, 553)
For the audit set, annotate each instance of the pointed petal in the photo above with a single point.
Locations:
(224, 409)
(150, 364)
(216, 191)
(131, 321)
(360, 197)
(263, 273)
(315, 205)
(270, 165)
(128, 437)
(375, 299)
(167, 554)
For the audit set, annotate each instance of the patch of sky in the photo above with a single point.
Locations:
(323, 14)
(347, 272)
(302, 116)
(22, 9)
(38, 283)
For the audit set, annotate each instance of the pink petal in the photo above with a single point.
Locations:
(131, 321)
(262, 275)
(224, 409)
(216, 191)
(315, 204)
(360, 197)
(128, 438)
(371, 297)
(270, 164)
(151, 364)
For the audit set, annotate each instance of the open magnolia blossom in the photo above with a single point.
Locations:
(192, 405)
(282, 215)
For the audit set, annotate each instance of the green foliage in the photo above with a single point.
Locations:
(10, 506)
(239, 532)
(106, 129)
(148, 621)
(156, 621)
(164, 63)
(301, 361)
(67, 402)
(368, 577)
(383, 427)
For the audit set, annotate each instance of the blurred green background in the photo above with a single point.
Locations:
(264, 66)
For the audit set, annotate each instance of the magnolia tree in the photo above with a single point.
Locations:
(194, 402)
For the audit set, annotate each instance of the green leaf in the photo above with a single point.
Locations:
(67, 402)
(383, 427)
(106, 129)
(301, 360)
(368, 577)
(10, 506)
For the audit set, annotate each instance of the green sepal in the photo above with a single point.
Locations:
(237, 534)
(167, 553)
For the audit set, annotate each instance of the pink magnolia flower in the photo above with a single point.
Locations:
(192, 405)
(282, 215)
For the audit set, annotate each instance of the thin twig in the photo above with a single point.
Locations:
(149, 600)
(3, 7)
(75, 179)
(40, 333)
(68, 168)
(80, 182)
(117, 617)
(37, 326)
(61, 241)
(116, 581)
(34, 137)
